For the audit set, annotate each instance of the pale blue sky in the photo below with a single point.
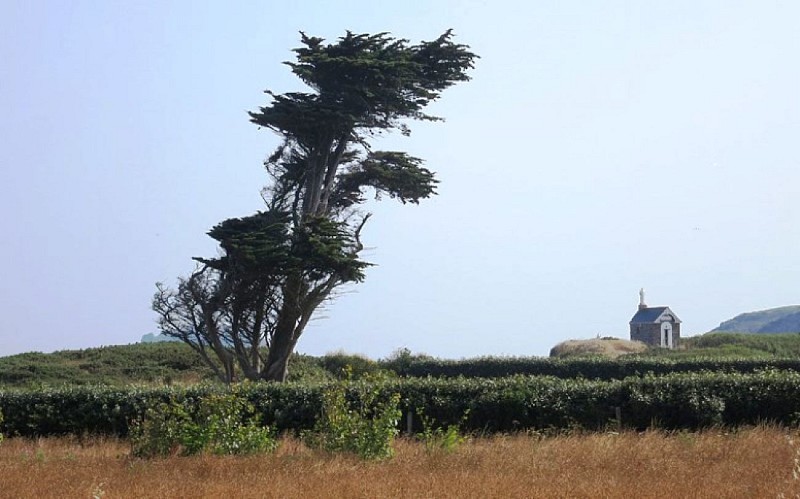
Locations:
(601, 147)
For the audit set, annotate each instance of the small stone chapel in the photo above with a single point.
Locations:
(655, 326)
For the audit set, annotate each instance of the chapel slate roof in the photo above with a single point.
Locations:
(648, 315)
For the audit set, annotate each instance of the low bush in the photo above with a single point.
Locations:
(349, 366)
(161, 431)
(366, 426)
(439, 438)
(218, 424)
(400, 360)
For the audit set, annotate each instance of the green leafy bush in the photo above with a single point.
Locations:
(439, 438)
(227, 424)
(400, 360)
(221, 424)
(365, 427)
(308, 369)
(349, 366)
(164, 430)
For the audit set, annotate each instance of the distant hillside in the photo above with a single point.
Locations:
(723, 344)
(773, 320)
(112, 365)
(159, 362)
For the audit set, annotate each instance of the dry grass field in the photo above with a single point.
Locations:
(756, 462)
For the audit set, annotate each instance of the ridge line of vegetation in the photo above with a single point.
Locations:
(171, 363)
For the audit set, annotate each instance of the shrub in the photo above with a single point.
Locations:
(227, 425)
(349, 366)
(400, 361)
(221, 424)
(441, 438)
(162, 431)
(307, 369)
(368, 430)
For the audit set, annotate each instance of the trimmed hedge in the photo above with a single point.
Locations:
(591, 368)
(492, 405)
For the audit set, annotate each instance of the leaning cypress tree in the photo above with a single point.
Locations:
(279, 265)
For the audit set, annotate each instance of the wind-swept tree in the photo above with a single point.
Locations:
(278, 266)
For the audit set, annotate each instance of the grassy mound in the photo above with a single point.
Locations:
(605, 347)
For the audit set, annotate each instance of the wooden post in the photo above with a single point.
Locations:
(409, 422)
(618, 414)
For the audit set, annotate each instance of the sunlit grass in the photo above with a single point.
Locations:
(756, 462)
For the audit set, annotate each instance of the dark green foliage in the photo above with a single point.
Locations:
(690, 400)
(323, 247)
(308, 369)
(394, 173)
(402, 359)
(76, 410)
(365, 81)
(705, 399)
(591, 368)
(348, 366)
(253, 245)
(263, 247)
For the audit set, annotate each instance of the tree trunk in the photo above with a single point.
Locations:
(277, 365)
(285, 335)
(280, 350)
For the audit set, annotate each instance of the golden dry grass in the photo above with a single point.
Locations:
(749, 463)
